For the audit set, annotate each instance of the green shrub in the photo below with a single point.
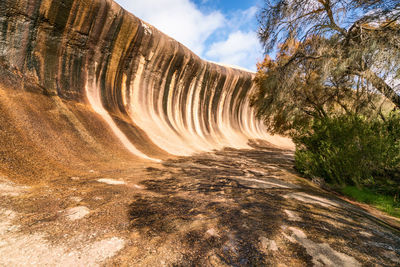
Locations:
(351, 150)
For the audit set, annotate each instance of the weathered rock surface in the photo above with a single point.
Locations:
(155, 94)
(212, 209)
(83, 86)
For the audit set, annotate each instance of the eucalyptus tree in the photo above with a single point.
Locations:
(331, 56)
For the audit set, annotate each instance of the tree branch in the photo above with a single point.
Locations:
(380, 85)
(333, 25)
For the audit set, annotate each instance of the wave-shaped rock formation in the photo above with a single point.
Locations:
(83, 86)
(157, 97)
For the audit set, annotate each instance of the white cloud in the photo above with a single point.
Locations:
(180, 19)
(211, 35)
(240, 49)
(244, 17)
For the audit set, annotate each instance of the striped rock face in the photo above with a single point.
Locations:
(150, 89)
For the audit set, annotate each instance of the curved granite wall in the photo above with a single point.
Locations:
(151, 90)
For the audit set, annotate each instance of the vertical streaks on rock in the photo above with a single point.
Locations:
(130, 73)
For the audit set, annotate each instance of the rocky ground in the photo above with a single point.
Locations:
(226, 208)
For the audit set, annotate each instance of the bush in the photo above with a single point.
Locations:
(351, 150)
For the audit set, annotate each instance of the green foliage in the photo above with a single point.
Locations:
(351, 150)
(333, 82)
(331, 55)
(293, 90)
(385, 203)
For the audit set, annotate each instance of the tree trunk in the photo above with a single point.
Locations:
(382, 87)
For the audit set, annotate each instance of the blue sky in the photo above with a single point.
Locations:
(217, 30)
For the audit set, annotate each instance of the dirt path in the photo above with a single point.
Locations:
(228, 208)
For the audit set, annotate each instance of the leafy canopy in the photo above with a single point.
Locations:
(332, 57)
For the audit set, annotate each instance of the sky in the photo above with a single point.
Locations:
(222, 31)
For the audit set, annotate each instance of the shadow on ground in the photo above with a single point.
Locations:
(248, 208)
